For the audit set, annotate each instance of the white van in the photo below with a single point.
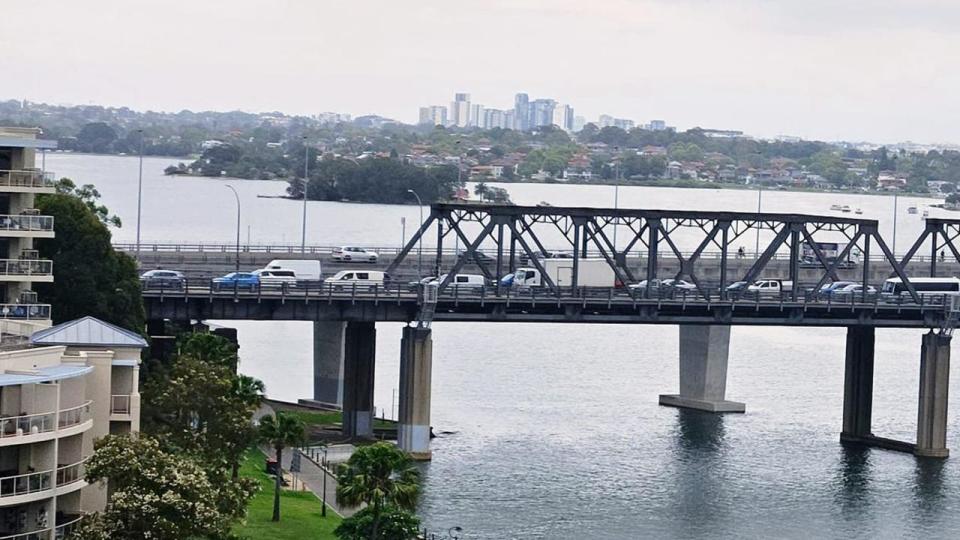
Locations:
(359, 279)
(276, 278)
(930, 287)
(305, 269)
(463, 281)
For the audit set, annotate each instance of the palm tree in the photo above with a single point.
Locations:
(378, 475)
(280, 431)
(480, 190)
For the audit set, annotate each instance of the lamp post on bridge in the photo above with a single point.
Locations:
(894, 251)
(306, 183)
(756, 250)
(238, 224)
(419, 238)
(139, 194)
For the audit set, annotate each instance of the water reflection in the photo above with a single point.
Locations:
(928, 488)
(700, 507)
(854, 477)
(699, 430)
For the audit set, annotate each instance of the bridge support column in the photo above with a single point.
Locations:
(416, 361)
(359, 361)
(704, 351)
(934, 384)
(858, 385)
(328, 340)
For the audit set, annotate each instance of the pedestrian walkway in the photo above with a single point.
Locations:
(312, 474)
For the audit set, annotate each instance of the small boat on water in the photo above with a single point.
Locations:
(835, 207)
(912, 210)
(858, 211)
(846, 208)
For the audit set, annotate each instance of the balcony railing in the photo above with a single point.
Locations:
(27, 178)
(42, 534)
(22, 484)
(25, 311)
(25, 222)
(75, 415)
(26, 267)
(68, 474)
(28, 424)
(70, 522)
(120, 404)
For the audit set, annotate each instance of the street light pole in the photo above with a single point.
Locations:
(419, 238)
(306, 183)
(616, 198)
(139, 193)
(894, 225)
(756, 251)
(238, 224)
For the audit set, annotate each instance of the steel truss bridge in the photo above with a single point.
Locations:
(703, 248)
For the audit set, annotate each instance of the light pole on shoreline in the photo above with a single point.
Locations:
(306, 182)
(756, 250)
(419, 238)
(238, 224)
(139, 194)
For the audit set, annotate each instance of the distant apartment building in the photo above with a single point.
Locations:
(20, 223)
(477, 118)
(521, 111)
(460, 110)
(890, 181)
(563, 117)
(495, 118)
(579, 122)
(541, 112)
(333, 118)
(433, 115)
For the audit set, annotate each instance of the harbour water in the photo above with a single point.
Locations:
(553, 431)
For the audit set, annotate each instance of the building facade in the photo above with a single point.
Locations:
(74, 383)
(21, 180)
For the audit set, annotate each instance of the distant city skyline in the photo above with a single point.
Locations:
(880, 72)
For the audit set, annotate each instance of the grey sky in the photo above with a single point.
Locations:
(879, 70)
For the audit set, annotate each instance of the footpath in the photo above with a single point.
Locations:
(313, 475)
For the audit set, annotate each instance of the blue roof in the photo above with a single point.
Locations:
(88, 332)
(25, 142)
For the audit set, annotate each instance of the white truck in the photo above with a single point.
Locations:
(591, 273)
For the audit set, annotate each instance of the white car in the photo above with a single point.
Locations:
(354, 254)
(360, 280)
(279, 277)
(463, 281)
(678, 284)
(853, 289)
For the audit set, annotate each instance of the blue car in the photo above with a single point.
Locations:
(239, 280)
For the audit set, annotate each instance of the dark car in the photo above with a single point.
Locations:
(478, 257)
(163, 279)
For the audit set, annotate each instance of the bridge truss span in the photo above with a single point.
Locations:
(652, 245)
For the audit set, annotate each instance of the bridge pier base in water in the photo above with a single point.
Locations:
(416, 364)
(934, 386)
(858, 385)
(328, 342)
(704, 353)
(359, 362)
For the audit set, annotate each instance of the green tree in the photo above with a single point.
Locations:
(91, 197)
(379, 475)
(280, 431)
(159, 495)
(394, 524)
(480, 190)
(96, 137)
(90, 277)
(200, 406)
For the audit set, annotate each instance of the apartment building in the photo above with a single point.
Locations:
(20, 224)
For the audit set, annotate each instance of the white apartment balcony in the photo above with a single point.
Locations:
(62, 530)
(30, 312)
(38, 485)
(20, 270)
(27, 181)
(31, 428)
(120, 404)
(26, 226)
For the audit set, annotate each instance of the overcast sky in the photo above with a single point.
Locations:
(877, 70)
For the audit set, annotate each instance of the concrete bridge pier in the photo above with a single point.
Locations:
(359, 362)
(704, 352)
(858, 385)
(416, 363)
(328, 354)
(934, 386)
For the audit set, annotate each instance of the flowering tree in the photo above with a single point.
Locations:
(158, 495)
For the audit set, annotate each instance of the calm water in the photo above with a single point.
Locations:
(556, 431)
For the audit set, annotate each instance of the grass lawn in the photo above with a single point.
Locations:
(299, 511)
(311, 418)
